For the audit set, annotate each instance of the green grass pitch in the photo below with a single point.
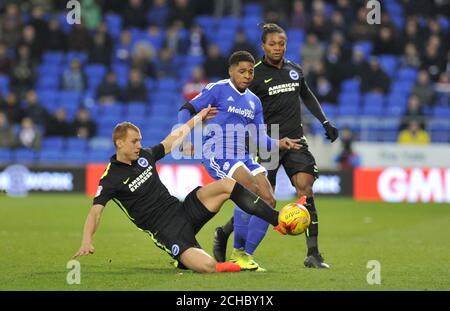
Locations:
(40, 233)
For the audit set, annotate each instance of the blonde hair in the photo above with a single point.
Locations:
(120, 131)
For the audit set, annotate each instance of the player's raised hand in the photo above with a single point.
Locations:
(84, 250)
(208, 113)
(288, 143)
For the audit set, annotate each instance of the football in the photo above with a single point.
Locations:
(295, 218)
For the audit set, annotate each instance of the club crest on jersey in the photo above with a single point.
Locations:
(226, 165)
(293, 74)
(142, 162)
(175, 249)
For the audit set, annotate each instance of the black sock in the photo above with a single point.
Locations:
(253, 204)
(229, 226)
(313, 230)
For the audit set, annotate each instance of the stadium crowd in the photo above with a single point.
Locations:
(140, 60)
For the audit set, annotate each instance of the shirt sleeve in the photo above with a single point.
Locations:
(208, 96)
(157, 152)
(261, 131)
(105, 192)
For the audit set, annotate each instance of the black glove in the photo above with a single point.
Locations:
(331, 132)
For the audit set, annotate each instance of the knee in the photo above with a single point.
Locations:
(227, 185)
(305, 189)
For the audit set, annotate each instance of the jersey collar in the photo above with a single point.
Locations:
(263, 59)
(234, 88)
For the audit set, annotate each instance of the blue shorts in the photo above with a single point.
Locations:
(221, 168)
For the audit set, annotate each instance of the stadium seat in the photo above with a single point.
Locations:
(365, 46)
(114, 24)
(49, 156)
(389, 64)
(53, 142)
(136, 108)
(441, 111)
(253, 9)
(350, 86)
(98, 156)
(4, 84)
(24, 155)
(349, 99)
(5, 155)
(75, 143)
(74, 157)
(373, 99)
(53, 57)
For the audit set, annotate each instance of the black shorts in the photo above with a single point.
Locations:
(179, 234)
(295, 161)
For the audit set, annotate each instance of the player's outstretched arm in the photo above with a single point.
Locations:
(90, 226)
(177, 136)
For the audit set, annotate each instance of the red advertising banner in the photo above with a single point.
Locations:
(395, 184)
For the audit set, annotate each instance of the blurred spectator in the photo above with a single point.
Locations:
(345, 8)
(423, 89)
(92, 14)
(320, 27)
(58, 124)
(196, 43)
(11, 108)
(39, 23)
(414, 111)
(57, 39)
(7, 135)
(136, 89)
(29, 39)
(358, 65)
(386, 42)
(74, 79)
(100, 52)
(338, 24)
(442, 89)
(181, 14)
(215, 65)
(79, 38)
(241, 43)
(312, 51)
(23, 71)
(299, 18)
(34, 110)
(83, 126)
(11, 25)
(175, 41)
(432, 62)
(194, 86)
(122, 51)
(109, 91)
(135, 14)
(5, 60)
(227, 8)
(413, 134)
(334, 64)
(338, 39)
(166, 66)
(142, 59)
(410, 57)
(29, 135)
(412, 33)
(158, 13)
(324, 91)
(375, 79)
(347, 158)
(360, 30)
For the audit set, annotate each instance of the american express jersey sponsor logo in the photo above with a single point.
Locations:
(246, 113)
(283, 88)
(140, 179)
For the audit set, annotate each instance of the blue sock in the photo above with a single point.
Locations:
(257, 228)
(241, 220)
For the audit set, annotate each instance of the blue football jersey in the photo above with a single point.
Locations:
(225, 137)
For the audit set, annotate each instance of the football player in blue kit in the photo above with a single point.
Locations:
(225, 153)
